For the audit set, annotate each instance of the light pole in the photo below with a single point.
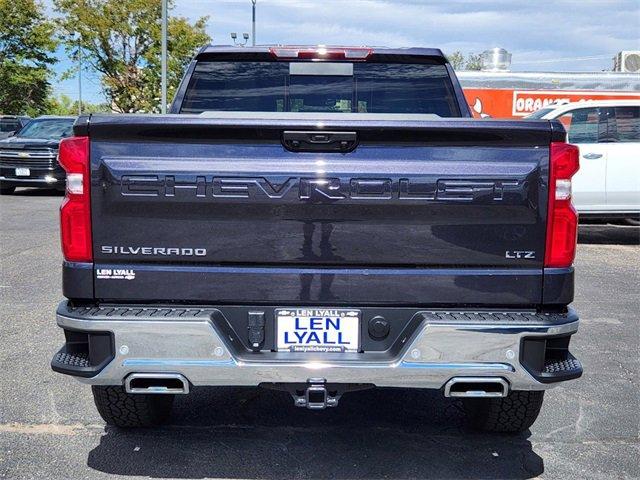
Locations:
(163, 60)
(76, 36)
(79, 77)
(253, 22)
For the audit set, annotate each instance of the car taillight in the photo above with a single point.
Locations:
(321, 53)
(75, 212)
(562, 219)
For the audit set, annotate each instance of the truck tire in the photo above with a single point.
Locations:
(514, 413)
(128, 410)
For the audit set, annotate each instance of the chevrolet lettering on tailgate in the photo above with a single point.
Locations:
(315, 188)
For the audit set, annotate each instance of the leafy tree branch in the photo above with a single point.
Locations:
(121, 41)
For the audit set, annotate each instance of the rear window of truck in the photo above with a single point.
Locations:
(338, 87)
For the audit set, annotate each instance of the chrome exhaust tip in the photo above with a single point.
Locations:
(156, 383)
(476, 387)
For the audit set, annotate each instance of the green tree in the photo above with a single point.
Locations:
(473, 62)
(65, 105)
(27, 43)
(459, 62)
(121, 40)
(456, 59)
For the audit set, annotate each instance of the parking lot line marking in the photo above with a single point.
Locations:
(46, 428)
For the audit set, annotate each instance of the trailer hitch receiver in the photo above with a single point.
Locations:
(316, 396)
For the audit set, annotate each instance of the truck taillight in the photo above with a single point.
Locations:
(75, 212)
(562, 219)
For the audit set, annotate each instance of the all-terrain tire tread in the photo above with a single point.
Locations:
(514, 413)
(126, 410)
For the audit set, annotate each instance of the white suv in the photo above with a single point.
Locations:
(608, 135)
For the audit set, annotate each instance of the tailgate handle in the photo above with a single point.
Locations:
(297, 141)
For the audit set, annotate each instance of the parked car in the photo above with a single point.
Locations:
(11, 124)
(30, 158)
(607, 133)
(284, 228)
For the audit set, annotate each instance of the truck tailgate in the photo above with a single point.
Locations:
(416, 211)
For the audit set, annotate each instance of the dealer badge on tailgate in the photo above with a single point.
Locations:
(318, 329)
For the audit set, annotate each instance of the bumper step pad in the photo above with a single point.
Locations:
(549, 359)
(72, 360)
(83, 354)
(498, 317)
(567, 366)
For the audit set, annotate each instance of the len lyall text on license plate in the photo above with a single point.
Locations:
(318, 330)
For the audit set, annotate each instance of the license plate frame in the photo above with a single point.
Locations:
(23, 172)
(318, 330)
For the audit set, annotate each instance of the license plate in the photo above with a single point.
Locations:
(324, 330)
(23, 172)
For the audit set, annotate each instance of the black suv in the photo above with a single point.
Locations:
(30, 158)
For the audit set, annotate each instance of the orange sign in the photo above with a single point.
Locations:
(507, 103)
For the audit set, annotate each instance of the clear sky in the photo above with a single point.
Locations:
(543, 35)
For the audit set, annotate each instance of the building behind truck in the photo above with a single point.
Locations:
(497, 92)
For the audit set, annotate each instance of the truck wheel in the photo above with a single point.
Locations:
(123, 409)
(514, 413)
(7, 190)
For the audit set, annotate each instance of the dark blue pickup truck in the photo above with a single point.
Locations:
(318, 220)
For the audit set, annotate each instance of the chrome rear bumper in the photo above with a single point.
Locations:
(186, 342)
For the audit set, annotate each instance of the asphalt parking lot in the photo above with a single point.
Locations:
(49, 427)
